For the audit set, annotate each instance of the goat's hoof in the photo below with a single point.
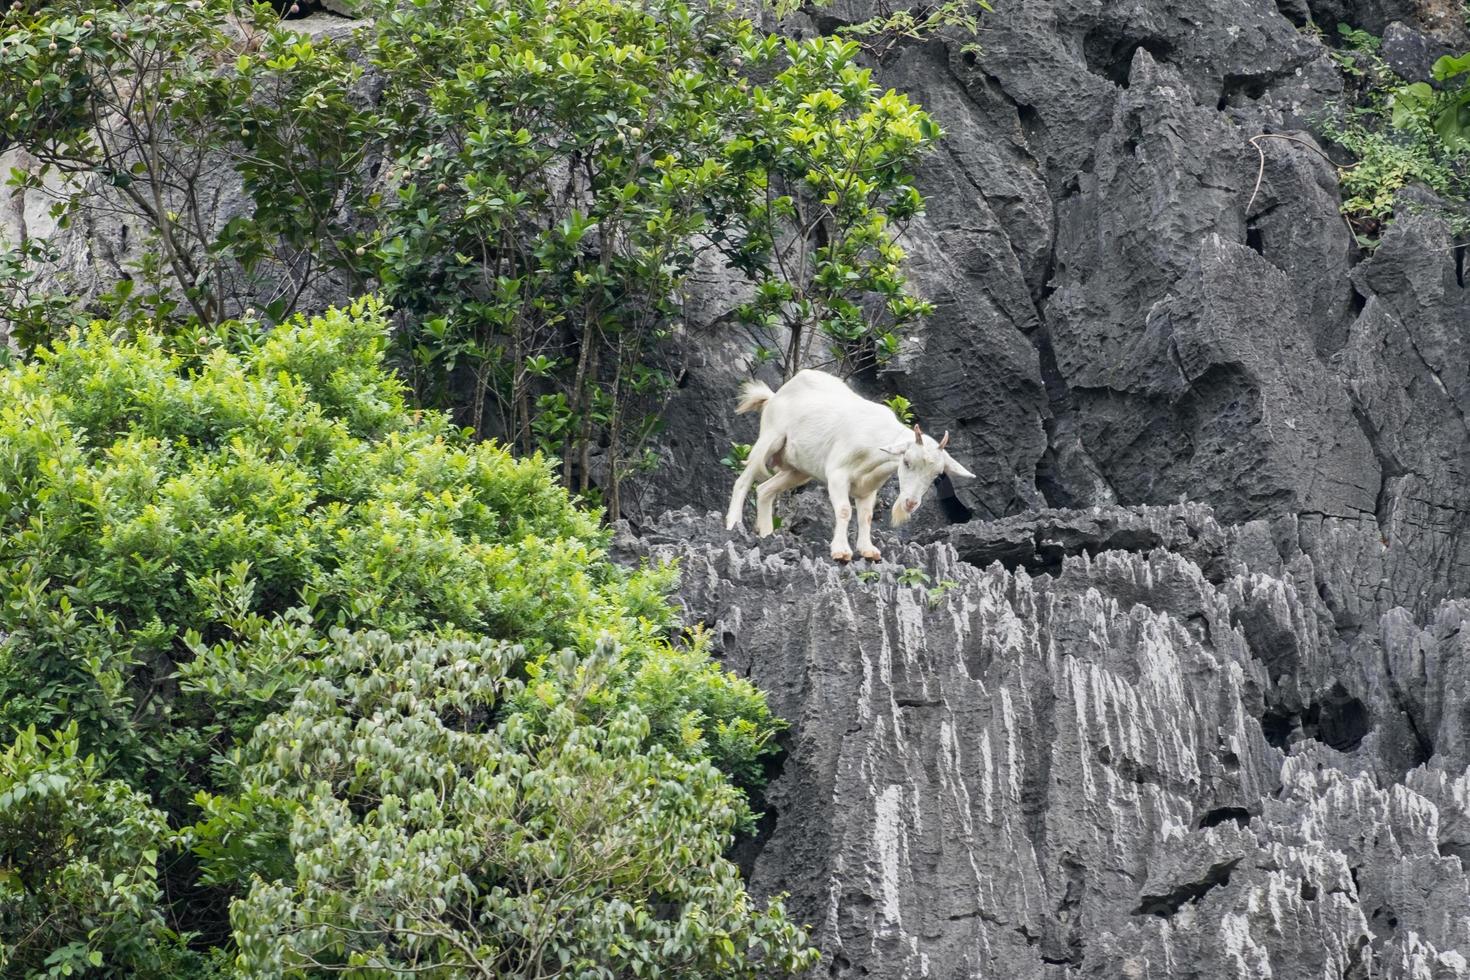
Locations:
(841, 554)
(736, 525)
(871, 554)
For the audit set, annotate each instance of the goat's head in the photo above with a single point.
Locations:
(919, 463)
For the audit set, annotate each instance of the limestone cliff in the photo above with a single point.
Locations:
(1121, 743)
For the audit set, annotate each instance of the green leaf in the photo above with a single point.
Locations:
(1450, 66)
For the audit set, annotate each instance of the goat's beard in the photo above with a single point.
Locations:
(898, 514)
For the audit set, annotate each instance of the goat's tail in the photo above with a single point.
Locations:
(753, 394)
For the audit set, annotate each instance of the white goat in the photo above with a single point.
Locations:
(817, 428)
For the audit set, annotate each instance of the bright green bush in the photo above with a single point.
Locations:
(186, 518)
(151, 492)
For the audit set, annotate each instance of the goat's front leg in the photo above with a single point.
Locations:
(837, 489)
(865, 527)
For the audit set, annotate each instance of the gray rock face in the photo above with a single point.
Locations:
(1157, 757)
(1407, 369)
(1412, 54)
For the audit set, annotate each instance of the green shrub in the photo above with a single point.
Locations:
(430, 833)
(1445, 111)
(1400, 134)
(1387, 163)
(695, 709)
(186, 518)
(159, 499)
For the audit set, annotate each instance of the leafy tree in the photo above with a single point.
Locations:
(528, 182)
(130, 110)
(187, 517)
(824, 162)
(555, 162)
(562, 165)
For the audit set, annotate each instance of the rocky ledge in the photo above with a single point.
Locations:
(1122, 742)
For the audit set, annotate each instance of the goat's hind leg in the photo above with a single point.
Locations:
(755, 467)
(766, 494)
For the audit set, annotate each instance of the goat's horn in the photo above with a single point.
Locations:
(945, 441)
(918, 434)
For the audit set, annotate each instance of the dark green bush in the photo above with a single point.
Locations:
(425, 839)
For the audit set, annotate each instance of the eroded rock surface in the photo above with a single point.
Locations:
(1126, 742)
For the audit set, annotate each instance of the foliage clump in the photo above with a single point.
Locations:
(1401, 133)
(80, 873)
(195, 526)
(167, 506)
(427, 836)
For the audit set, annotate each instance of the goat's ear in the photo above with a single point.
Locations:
(897, 449)
(953, 468)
